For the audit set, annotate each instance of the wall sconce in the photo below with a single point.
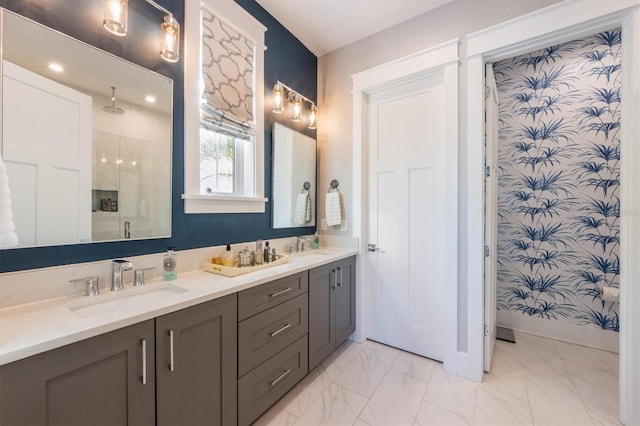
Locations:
(295, 99)
(116, 13)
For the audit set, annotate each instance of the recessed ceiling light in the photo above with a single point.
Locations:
(151, 99)
(56, 67)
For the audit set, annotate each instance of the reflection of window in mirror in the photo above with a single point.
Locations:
(224, 130)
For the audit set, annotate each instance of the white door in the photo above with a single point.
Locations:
(46, 145)
(406, 273)
(491, 216)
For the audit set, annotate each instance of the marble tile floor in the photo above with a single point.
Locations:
(535, 381)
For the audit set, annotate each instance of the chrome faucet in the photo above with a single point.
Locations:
(300, 242)
(117, 267)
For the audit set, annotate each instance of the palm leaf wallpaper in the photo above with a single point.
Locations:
(559, 178)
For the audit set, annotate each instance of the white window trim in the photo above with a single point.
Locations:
(247, 25)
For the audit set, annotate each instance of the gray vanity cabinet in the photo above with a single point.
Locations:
(272, 343)
(105, 380)
(331, 308)
(196, 353)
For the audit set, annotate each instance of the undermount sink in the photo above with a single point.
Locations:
(310, 252)
(116, 302)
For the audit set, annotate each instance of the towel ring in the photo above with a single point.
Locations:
(305, 187)
(334, 185)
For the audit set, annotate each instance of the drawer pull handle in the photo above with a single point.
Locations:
(171, 359)
(279, 378)
(280, 330)
(340, 282)
(143, 343)
(281, 292)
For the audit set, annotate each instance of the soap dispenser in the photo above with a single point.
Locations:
(316, 241)
(228, 257)
(267, 252)
(169, 265)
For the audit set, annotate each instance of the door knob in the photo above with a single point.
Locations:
(372, 247)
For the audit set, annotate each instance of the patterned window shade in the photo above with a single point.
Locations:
(228, 64)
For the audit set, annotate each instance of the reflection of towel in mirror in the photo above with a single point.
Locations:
(332, 208)
(303, 208)
(8, 237)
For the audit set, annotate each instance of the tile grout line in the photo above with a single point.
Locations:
(378, 386)
(586, 407)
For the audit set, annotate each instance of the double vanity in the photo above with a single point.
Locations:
(203, 349)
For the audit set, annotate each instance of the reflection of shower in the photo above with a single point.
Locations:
(113, 109)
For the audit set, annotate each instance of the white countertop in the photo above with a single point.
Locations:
(34, 328)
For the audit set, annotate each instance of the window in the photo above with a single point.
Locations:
(226, 162)
(224, 130)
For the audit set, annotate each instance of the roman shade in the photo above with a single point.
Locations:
(228, 65)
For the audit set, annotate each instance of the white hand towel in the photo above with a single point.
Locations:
(307, 212)
(332, 208)
(303, 203)
(8, 237)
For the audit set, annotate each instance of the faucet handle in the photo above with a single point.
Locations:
(138, 276)
(91, 285)
(125, 265)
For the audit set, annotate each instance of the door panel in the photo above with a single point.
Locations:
(200, 386)
(321, 314)
(345, 300)
(97, 381)
(491, 216)
(51, 153)
(407, 177)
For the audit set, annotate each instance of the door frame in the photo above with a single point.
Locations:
(555, 24)
(441, 58)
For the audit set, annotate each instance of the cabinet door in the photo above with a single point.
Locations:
(196, 364)
(322, 285)
(345, 298)
(98, 381)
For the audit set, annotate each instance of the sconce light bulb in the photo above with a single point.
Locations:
(313, 112)
(297, 108)
(116, 14)
(278, 96)
(170, 39)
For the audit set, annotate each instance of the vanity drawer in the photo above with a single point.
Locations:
(267, 383)
(263, 335)
(257, 299)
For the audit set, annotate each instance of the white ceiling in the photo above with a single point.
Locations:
(327, 25)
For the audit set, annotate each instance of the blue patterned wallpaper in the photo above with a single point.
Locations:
(559, 177)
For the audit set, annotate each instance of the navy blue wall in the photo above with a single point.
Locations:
(286, 59)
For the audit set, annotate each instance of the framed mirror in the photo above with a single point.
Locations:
(294, 178)
(86, 140)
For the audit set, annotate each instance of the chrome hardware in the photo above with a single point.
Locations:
(372, 247)
(281, 292)
(117, 267)
(91, 285)
(127, 227)
(143, 342)
(487, 251)
(279, 378)
(275, 333)
(300, 242)
(171, 359)
(138, 276)
(335, 279)
(340, 282)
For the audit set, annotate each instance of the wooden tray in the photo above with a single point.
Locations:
(234, 271)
